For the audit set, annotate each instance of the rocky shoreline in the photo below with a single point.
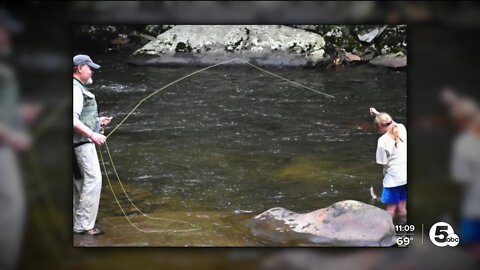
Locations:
(307, 46)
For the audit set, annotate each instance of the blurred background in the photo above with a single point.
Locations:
(36, 52)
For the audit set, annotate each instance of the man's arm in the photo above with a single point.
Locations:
(80, 127)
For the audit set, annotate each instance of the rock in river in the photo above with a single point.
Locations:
(345, 223)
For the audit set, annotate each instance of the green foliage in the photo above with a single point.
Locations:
(340, 39)
(93, 38)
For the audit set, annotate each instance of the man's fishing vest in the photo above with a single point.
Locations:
(9, 112)
(89, 114)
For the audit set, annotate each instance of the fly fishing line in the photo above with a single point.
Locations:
(193, 226)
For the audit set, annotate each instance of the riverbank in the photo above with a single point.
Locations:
(307, 46)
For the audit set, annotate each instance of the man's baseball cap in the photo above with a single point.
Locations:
(82, 59)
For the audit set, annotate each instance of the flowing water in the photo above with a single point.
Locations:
(217, 148)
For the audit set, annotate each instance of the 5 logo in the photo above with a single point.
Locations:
(442, 234)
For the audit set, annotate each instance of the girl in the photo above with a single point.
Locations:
(392, 154)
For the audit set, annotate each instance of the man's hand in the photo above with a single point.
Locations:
(30, 112)
(21, 141)
(98, 138)
(18, 140)
(105, 121)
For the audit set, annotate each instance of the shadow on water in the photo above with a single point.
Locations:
(231, 142)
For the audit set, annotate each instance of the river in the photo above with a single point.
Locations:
(203, 156)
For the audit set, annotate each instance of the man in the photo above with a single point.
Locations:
(86, 125)
(14, 138)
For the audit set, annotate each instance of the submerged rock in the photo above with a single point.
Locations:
(345, 223)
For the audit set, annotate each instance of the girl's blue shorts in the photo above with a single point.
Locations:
(394, 195)
(470, 231)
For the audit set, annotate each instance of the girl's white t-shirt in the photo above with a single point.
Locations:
(393, 159)
(465, 168)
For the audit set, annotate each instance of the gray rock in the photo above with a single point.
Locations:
(287, 45)
(370, 36)
(345, 223)
(395, 61)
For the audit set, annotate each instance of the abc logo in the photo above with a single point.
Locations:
(442, 235)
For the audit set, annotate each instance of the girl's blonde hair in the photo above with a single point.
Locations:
(385, 120)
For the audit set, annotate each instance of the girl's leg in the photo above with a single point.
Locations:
(402, 210)
(391, 209)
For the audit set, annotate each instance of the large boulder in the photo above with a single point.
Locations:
(345, 223)
(207, 44)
